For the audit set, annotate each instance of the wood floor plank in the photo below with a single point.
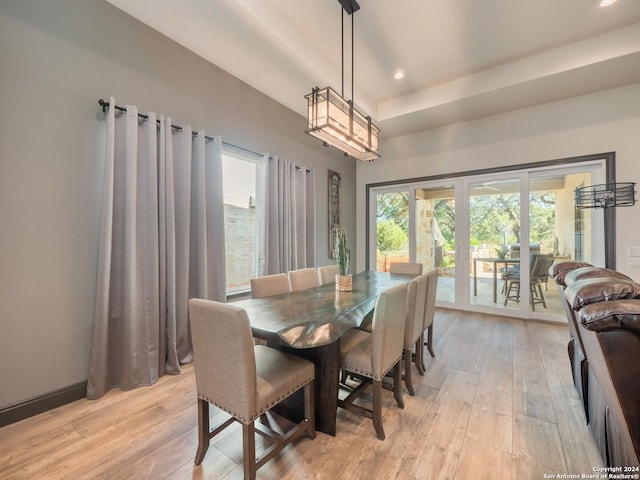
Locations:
(537, 449)
(495, 386)
(531, 394)
(440, 440)
(580, 456)
(492, 429)
(554, 357)
(500, 339)
(482, 462)
(383, 457)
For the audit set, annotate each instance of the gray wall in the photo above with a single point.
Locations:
(56, 60)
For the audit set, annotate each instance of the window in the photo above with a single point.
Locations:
(239, 190)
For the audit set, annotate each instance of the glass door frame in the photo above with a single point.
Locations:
(603, 220)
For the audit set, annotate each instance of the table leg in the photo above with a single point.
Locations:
(495, 282)
(326, 358)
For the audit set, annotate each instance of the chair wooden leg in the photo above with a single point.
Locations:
(544, 304)
(397, 382)
(343, 377)
(513, 286)
(377, 408)
(407, 371)
(506, 295)
(532, 296)
(419, 358)
(203, 430)
(249, 451)
(429, 343)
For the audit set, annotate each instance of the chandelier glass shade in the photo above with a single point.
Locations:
(336, 122)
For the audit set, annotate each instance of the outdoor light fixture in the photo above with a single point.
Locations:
(621, 194)
(334, 120)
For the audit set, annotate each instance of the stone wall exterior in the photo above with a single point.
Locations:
(240, 243)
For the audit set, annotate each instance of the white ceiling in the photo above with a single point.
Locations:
(462, 59)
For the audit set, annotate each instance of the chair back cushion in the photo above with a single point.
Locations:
(534, 248)
(327, 274)
(223, 352)
(387, 329)
(405, 268)
(540, 267)
(303, 279)
(416, 304)
(432, 292)
(269, 285)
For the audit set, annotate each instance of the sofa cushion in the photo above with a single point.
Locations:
(600, 289)
(559, 270)
(573, 276)
(613, 315)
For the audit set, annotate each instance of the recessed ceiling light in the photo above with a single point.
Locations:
(606, 3)
(399, 75)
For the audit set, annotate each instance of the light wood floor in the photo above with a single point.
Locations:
(496, 403)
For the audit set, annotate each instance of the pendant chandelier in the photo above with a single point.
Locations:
(334, 120)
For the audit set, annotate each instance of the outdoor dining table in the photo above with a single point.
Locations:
(309, 323)
(495, 262)
(500, 261)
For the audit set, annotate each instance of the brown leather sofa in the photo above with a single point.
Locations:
(603, 312)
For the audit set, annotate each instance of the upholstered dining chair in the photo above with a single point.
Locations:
(414, 327)
(244, 380)
(370, 356)
(327, 274)
(405, 268)
(430, 312)
(303, 279)
(269, 285)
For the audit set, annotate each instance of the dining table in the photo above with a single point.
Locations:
(309, 323)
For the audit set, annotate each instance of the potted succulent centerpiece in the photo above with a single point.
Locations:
(343, 278)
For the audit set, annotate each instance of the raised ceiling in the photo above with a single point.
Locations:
(462, 59)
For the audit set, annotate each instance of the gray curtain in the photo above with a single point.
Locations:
(162, 241)
(286, 194)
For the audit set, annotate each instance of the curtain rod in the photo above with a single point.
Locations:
(106, 105)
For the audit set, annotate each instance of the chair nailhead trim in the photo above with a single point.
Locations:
(369, 373)
(246, 421)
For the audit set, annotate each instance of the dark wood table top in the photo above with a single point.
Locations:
(320, 315)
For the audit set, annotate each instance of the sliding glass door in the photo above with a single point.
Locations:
(558, 232)
(491, 237)
(495, 228)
